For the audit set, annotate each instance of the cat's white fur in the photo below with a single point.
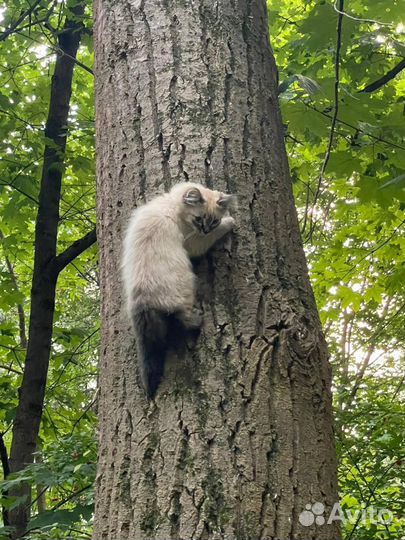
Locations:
(157, 274)
(159, 242)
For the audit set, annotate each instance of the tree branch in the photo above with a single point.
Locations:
(372, 87)
(358, 19)
(4, 35)
(10, 369)
(356, 128)
(74, 250)
(76, 61)
(32, 391)
(341, 13)
(71, 496)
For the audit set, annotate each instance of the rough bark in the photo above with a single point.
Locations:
(240, 436)
(47, 265)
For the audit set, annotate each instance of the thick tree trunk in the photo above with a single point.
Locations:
(240, 436)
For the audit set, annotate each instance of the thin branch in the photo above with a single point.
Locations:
(73, 205)
(86, 410)
(41, 487)
(6, 184)
(4, 35)
(39, 495)
(28, 25)
(82, 533)
(17, 66)
(71, 355)
(397, 389)
(87, 276)
(75, 60)
(12, 114)
(10, 369)
(374, 137)
(67, 499)
(366, 360)
(374, 249)
(71, 496)
(371, 488)
(372, 87)
(334, 116)
(58, 50)
(358, 19)
(74, 250)
(14, 352)
(380, 330)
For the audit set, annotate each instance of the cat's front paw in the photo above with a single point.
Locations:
(228, 223)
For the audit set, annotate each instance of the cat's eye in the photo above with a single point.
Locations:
(215, 222)
(198, 219)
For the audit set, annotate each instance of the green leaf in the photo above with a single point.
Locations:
(394, 182)
(307, 84)
(311, 86)
(52, 518)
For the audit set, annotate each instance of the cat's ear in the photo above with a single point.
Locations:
(226, 200)
(193, 197)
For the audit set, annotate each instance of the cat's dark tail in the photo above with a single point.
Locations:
(151, 330)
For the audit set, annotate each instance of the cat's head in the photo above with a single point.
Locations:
(203, 208)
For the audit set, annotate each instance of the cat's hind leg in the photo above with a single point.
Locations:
(190, 317)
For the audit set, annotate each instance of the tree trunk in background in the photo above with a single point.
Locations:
(240, 437)
(47, 265)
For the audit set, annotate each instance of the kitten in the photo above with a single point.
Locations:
(158, 278)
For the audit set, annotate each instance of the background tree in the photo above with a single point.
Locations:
(240, 436)
(64, 27)
(345, 139)
(47, 264)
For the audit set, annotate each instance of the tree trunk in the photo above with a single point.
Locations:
(47, 265)
(240, 436)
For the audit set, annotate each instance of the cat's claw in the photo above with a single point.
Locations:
(228, 222)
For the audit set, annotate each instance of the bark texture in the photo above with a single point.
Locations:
(240, 436)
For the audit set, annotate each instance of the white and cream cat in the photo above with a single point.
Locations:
(158, 278)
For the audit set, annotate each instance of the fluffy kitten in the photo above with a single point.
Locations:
(158, 278)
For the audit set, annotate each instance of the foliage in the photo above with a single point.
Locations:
(346, 155)
(68, 477)
(350, 193)
(67, 442)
